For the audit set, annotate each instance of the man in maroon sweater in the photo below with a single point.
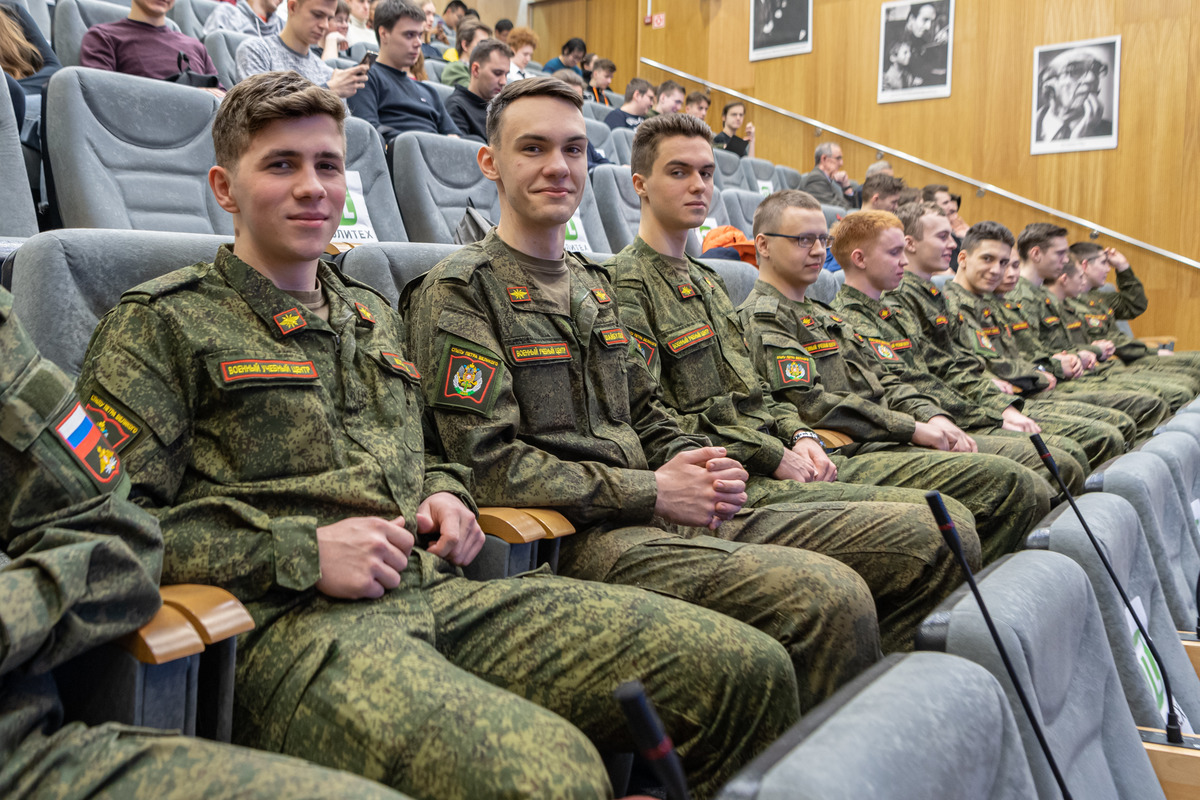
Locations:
(144, 45)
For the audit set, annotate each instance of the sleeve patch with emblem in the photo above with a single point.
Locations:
(86, 441)
(468, 378)
(686, 340)
(290, 321)
(116, 426)
(821, 347)
(614, 336)
(883, 349)
(992, 331)
(1095, 321)
(396, 362)
(271, 369)
(984, 342)
(540, 351)
(794, 369)
(647, 347)
(519, 294)
(686, 290)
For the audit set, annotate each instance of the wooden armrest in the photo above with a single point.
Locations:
(214, 613)
(513, 525)
(334, 248)
(1176, 766)
(554, 523)
(166, 637)
(832, 439)
(1156, 341)
(1192, 648)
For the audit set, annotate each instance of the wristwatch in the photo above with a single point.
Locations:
(798, 435)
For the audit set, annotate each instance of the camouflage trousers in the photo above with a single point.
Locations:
(452, 688)
(818, 609)
(1175, 387)
(1102, 432)
(1183, 361)
(124, 763)
(1147, 410)
(1070, 456)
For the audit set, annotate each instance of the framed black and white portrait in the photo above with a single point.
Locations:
(780, 28)
(1076, 96)
(916, 44)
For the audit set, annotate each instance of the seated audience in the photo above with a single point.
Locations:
(602, 75)
(639, 97)
(307, 24)
(669, 100)
(489, 72)
(594, 158)
(143, 44)
(336, 44)
(502, 29)
(522, 41)
(470, 33)
(697, 105)
(25, 55)
(940, 194)
(828, 182)
(880, 192)
(731, 119)
(391, 100)
(572, 54)
(360, 24)
(879, 167)
(417, 72)
(257, 17)
(453, 14)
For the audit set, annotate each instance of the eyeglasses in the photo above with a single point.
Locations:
(806, 241)
(1077, 69)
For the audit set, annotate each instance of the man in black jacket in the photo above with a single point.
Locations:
(489, 73)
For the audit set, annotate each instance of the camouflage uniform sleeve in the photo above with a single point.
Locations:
(658, 426)
(142, 365)
(86, 559)
(1129, 301)
(447, 322)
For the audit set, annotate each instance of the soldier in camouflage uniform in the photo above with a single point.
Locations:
(929, 245)
(269, 418)
(813, 361)
(1043, 251)
(86, 571)
(567, 417)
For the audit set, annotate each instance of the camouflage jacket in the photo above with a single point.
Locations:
(693, 342)
(813, 359)
(246, 421)
(86, 561)
(979, 330)
(550, 410)
(875, 320)
(1046, 333)
(1100, 322)
(1128, 302)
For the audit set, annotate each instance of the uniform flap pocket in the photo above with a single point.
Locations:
(612, 336)
(779, 340)
(689, 338)
(396, 364)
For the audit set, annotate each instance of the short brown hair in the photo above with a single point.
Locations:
(483, 51)
(668, 86)
(882, 185)
(648, 135)
(519, 37)
(697, 97)
(859, 230)
(1038, 234)
(767, 215)
(637, 86)
(267, 97)
(466, 32)
(604, 65)
(569, 77)
(929, 192)
(1085, 251)
(530, 87)
(910, 216)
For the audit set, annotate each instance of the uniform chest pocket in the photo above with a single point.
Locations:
(691, 365)
(400, 396)
(607, 368)
(266, 417)
(542, 374)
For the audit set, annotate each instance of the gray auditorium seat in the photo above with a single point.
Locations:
(131, 153)
(190, 15)
(597, 111)
(40, 11)
(532, 65)
(1047, 616)
(739, 277)
(64, 281)
(600, 137)
(909, 728)
(442, 90)
(616, 98)
(72, 18)
(788, 178)
(620, 207)
(1181, 453)
(434, 200)
(364, 155)
(728, 173)
(623, 144)
(760, 175)
(718, 215)
(222, 49)
(434, 70)
(585, 232)
(740, 206)
(1186, 423)
(1116, 525)
(388, 267)
(832, 214)
(18, 219)
(1145, 481)
(826, 287)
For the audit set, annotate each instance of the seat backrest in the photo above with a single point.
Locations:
(436, 175)
(131, 153)
(595, 110)
(442, 90)
(17, 215)
(825, 289)
(1046, 614)
(740, 205)
(1145, 481)
(39, 10)
(364, 155)
(788, 178)
(616, 98)
(585, 231)
(718, 215)
(600, 137)
(906, 729)
(832, 214)
(729, 173)
(1181, 453)
(389, 266)
(620, 208)
(623, 145)
(739, 277)
(222, 48)
(65, 280)
(434, 70)
(72, 18)
(190, 15)
(1115, 523)
(761, 175)
(531, 64)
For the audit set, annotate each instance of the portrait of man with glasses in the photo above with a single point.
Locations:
(1075, 96)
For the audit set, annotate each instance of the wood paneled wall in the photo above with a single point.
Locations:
(608, 27)
(982, 129)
